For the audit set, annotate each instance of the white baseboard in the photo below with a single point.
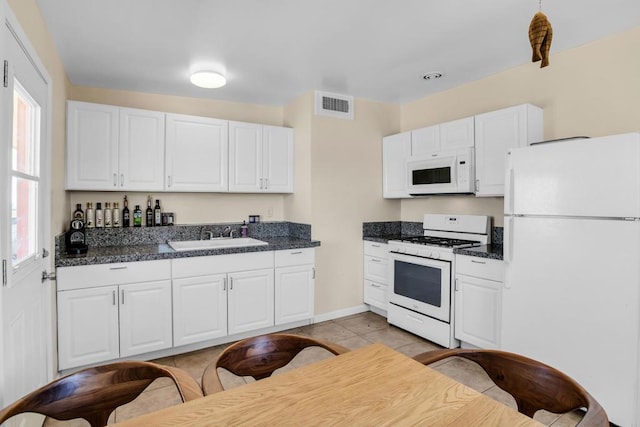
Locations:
(340, 313)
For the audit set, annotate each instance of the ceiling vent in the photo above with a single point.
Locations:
(334, 105)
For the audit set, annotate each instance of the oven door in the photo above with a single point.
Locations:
(421, 284)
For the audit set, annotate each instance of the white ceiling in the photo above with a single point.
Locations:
(274, 50)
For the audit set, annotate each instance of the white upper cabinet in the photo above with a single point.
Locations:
(260, 158)
(396, 149)
(441, 137)
(496, 132)
(92, 146)
(197, 154)
(113, 148)
(141, 150)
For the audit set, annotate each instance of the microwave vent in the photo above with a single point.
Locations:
(333, 105)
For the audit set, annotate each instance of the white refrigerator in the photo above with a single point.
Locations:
(571, 297)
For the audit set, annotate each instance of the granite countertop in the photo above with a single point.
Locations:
(107, 246)
(493, 251)
(148, 252)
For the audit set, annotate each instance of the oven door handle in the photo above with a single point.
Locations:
(419, 260)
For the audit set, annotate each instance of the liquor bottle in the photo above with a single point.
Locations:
(116, 215)
(99, 216)
(125, 214)
(137, 216)
(157, 214)
(108, 215)
(78, 213)
(149, 217)
(91, 216)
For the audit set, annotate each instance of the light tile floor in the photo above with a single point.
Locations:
(352, 332)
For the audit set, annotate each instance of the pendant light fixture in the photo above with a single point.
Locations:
(208, 79)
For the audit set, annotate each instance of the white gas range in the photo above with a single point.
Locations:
(422, 270)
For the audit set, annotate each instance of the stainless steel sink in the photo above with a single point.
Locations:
(219, 243)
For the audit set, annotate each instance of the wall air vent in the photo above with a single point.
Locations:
(334, 105)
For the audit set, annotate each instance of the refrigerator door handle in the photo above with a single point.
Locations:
(508, 194)
(508, 248)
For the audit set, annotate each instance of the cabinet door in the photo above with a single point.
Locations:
(396, 149)
(87, 326)
(456, 134)
(425, 141)
(141, 150)
(294, 288)
(197, 154)
(497, 132)
(145, 317)
(199, 309)
(250, 300)
(92, 146)
(376, 269)
(278, 163)
(245, 157)
(478, 311)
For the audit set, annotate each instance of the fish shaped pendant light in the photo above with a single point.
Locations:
(540, 35)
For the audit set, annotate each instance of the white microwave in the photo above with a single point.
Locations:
(442, 172)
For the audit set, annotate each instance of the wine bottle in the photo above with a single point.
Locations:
(157, 214)
(137, 216)
(78, 213)
(149, 216)
(125, 214)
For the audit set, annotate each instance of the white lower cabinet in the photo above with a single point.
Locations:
(478, 301)
(294, 285)
(250, 300)
(200, 308)
(376, 270)
(102, 317)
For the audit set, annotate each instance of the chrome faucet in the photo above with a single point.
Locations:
(227, 230)
(206, 232)
(231, 233)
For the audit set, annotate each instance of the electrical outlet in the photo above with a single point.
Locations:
(269, 212)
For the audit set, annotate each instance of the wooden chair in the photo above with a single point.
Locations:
(94, 393)
(532, 384)
(258, 357)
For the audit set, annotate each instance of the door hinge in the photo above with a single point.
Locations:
(6, 73)
(4, 272)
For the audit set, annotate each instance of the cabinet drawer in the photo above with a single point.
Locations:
(218, 264)
(376, 269)
(380, 250)
(375, 294)
(90, 276)
(485, 268)
(295, 257)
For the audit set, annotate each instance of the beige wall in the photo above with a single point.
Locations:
(28, 14)
(590, 90)
(346, 190)
(190, 208)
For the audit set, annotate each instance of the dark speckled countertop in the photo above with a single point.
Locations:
(382, 232)
(144, 244)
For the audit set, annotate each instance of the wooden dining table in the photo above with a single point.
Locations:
(371, 386)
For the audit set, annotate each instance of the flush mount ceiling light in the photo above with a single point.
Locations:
(433, 75)
(208, 79)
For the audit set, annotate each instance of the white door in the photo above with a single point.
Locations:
(145, 317)
(245, 157)
(425, 141)
(396, 150)
(197, 154)
(277, 169)
(294, 288)
(250, 300)
(25, 302)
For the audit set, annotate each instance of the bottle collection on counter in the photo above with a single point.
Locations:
(112, 217)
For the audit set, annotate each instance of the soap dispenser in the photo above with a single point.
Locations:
(244, 229)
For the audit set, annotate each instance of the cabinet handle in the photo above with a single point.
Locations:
(478, 262)
(266, 183)
(115, 180)
(224, 284)
(375, 246)
(123, 297)
(375, 260)
(296, 253)
(456, 286)
(121, 180)
(230, 283)
(169, 181)
(477, 185)
(261, 183)
(114, 297)
(118, 268)
(373, 285)
(313, 272)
